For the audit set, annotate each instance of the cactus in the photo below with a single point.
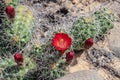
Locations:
(11, 2)
(50, 65)
(10, 71)
(83, 29)
(91, 26)
(4, 38)
(104, 20)
(36, 50)
(20, 31)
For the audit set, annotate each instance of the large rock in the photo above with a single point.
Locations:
(83, 75)
(114, 40)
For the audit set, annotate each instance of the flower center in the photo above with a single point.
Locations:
(61, 40)
(62, 43)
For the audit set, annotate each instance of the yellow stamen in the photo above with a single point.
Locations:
(61, 43)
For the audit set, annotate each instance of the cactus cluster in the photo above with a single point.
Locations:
(91, 26)
(15, 31)
(50, 60)
(20, 31)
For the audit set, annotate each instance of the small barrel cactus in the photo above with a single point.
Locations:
(90, 27)
(82, 29)
(20, 31)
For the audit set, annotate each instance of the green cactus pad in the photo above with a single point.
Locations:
(22, 25)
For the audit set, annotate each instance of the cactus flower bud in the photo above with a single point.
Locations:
(18, 57)
(88, 43)
(69, 56)
(10, 11)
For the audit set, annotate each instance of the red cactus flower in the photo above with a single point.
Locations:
(88, 43)
(69, 56)
(61, 42)
(18, 57)
(10, 11)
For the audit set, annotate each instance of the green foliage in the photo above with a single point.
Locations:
(9, 69)
(20, 31)
(91, 26)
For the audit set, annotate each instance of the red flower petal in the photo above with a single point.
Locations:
(61, 41)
